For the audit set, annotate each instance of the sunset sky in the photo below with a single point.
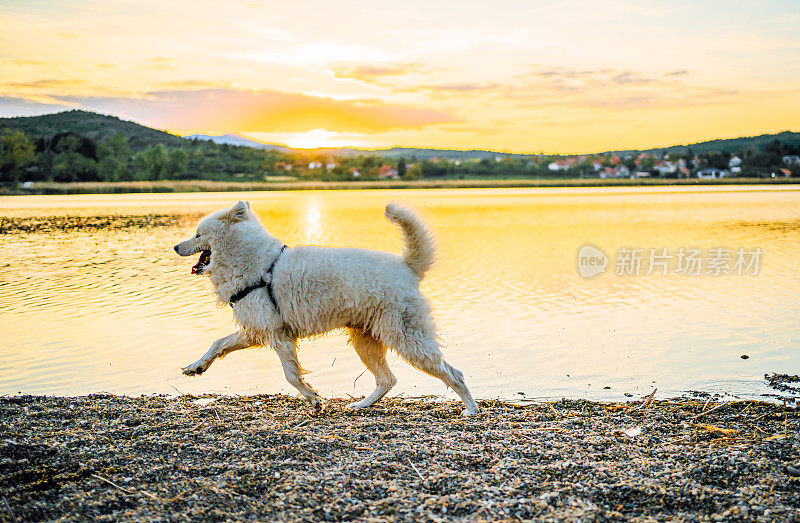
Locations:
(517, 76)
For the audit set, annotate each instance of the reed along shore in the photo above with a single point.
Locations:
(181, 186)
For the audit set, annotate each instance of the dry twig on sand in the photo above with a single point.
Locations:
(101, 478)
(704, 412)
(648, 400)
(718, 430)
(416, 470)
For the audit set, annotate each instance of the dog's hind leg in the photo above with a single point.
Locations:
(219, 349)
(414, 339)
(286, 349)
(451, 377)
(430, 361)
(373, 355)
(410, 331)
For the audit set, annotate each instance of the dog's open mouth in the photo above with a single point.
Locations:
(205, 259)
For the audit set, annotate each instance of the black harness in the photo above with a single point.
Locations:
(261, 283)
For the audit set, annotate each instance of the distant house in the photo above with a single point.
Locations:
(596, 165)
(664, 167)
(711, 172)
(641, 174)
(791, 159)
(608, 172)
(735, 165)
(558, 165)
(331, 165)
(283, 165)
(620, 172)
(315, 165)
(388, 172)
(354, 172)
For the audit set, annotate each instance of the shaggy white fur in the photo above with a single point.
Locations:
(374, 295)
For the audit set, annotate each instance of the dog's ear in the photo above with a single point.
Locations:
(238, 213)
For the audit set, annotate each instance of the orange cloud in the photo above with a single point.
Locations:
(260, 111)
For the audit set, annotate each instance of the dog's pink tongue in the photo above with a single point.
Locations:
(205, 257)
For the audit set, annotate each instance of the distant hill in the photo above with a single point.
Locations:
(427, 154)
(730, 145)
(409, 152)
(724, 145)
(235, 139)
(93, 125)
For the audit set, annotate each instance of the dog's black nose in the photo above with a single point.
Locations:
(176, 248)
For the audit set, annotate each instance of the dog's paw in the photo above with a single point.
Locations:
(318, 407)
(356, 405)
(193, 370)
(469, 412)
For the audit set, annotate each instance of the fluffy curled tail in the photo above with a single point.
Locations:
(418, 248)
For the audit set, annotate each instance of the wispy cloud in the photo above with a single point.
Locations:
(50, 83)
(571, 73)
(160, 62)
(27, 62)
(461, 87)
(598, 77)
(192, 84)
(582, 89)
(371, 73)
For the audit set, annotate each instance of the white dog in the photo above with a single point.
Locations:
(280, 294)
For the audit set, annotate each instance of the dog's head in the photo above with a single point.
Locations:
(212, 232)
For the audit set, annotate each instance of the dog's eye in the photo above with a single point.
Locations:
(198, 235)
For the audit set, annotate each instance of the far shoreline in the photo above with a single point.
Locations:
(188, 186)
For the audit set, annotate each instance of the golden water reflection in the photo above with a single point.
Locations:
(112, 308)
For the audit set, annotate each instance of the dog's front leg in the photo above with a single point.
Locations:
(219, 349)
(287, 352)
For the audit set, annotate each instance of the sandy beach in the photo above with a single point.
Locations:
(106, 457)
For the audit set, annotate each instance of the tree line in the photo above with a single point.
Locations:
(70, 157)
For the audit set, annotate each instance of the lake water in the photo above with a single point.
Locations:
(93, 298)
